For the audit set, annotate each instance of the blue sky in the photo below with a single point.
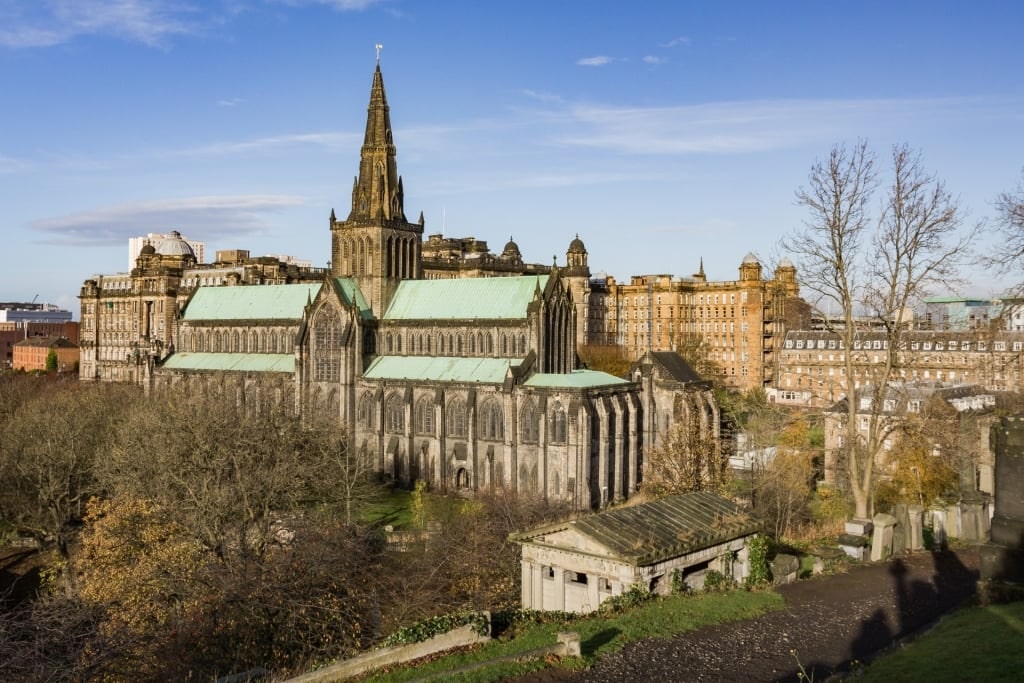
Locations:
(660, 132)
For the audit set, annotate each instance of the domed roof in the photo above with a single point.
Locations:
(174, 246)
(576, 246)
(750, 258)
(511, 248)
(785, 263)
(147, 250)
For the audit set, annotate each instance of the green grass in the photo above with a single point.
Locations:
(974, 644)
(600, 634)
(391, 507)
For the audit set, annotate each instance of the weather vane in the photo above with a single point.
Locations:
(379, 48)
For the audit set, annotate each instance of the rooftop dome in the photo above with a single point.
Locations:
(511, 249)
(785, 263)
(147, 250)
(174, 246)
(750, 258)
(576, 246)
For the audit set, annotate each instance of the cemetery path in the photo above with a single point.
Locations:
(829, 624)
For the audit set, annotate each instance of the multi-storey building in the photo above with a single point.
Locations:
(812, 363)
(737, 323)
(32, 353)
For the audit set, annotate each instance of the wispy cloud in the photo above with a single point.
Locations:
(676, 42)
(230, 102)
(651, 59)
(328, 139)
(45, 23)
(11, 165)
(542, 96)
(213, 217)
(600, 60)
(738, 127)
(340, 5)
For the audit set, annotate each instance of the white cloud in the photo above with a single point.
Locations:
(230, 102)
(676, 42)
(213, 217)
(330, 140)
(45, 23)
(600, 60)
(340, 5)
(651, 59)
(738, 127)
(542, 96)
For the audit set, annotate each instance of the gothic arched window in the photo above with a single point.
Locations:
(492, 422)
(327, 346)
(365, 411)
(529, 424)
(394, 415)
(457, 418)
(559, 429)
(424, 416)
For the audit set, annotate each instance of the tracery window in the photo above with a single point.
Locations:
(327, 346)
(425, 416)
(365, 411)
(559, 430)
(457, 418)
(394, 415)
(492, 422)
(529, 424)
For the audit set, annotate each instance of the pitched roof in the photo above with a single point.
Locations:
(650, 532)
(354, 296)
(676, 366)
(577, 379)
(490, 298)
(48, 342)
(440, 369)
(251, 302)
(232, 362)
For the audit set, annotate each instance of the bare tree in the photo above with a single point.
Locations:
(872, 268)
(1010, 227)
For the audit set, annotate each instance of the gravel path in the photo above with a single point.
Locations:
(828, 622)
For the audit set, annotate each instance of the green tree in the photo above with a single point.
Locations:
(51, 361)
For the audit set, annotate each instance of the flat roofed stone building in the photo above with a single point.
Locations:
(575, 566)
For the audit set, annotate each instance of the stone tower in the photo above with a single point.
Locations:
(376, 245)
(577, 278)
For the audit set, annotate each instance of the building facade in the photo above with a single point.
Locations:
(445, 363)
(812, 373)
(737, 324)
(31, 354)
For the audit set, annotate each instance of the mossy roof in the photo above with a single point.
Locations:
(490, 298)
(251, 302)
(577, 379)
(648, 533)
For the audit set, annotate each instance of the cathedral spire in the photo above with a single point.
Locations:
(377, 193)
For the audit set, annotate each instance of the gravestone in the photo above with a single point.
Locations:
(881, 540)
(974, 517)
(1002, 558)
(915, 527)
(785, 568)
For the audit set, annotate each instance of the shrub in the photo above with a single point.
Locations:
(758, 556)
(635, 595)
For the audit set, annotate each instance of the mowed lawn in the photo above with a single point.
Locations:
(975, 644)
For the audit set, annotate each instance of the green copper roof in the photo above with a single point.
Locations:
(234, 362)
(577, 379)
(251, 302)
(493, 298)
(354, 295)
(440, 369)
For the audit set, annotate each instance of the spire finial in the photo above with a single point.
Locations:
(379, 48)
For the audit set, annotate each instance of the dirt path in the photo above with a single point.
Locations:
(829, 622)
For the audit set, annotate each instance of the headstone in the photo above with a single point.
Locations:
(785, 568)
(859, 527)
(855, 546)
(881, 540)
(974, 517)
(899, 540)
(570, 640)
(1002, 558)
(915, 528)
(940, 537)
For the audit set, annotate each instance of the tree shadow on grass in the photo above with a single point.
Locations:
(591, 645)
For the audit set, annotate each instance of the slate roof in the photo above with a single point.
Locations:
(650, 532)
(48, 342)
(441, 369)
(488, 298)
(251, 302)
(577, 379)
(232, 362)
(676, 366)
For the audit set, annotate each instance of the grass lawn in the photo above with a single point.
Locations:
(600, 635)
(974, 644)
